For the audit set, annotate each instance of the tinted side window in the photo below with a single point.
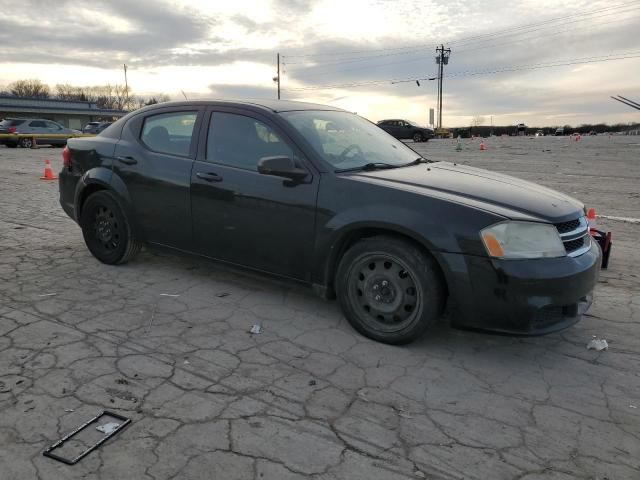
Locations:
(37, 123)
(169, 132)
(53, 125)
(241, 141)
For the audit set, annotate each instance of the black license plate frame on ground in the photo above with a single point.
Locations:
(49, 451)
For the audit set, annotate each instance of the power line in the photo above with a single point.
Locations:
(373, 58)
(467, 39)
(559, 63)
(546, 22)
(361, 67)
(421, 58)
(546, 35)
(531, 30)
(355, 59)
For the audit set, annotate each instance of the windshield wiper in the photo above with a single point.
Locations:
(384, 166)
(418, 161)
(369, 167)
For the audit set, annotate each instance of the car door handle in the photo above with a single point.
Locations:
(127, 160)
(209, 177)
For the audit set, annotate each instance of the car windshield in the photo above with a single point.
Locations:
(347, 141)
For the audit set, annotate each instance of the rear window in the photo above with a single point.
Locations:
(11, 123)
(169, 132)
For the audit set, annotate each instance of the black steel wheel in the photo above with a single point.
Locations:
(389, 289)
(26, 142)
(106, 229)
(417, 137)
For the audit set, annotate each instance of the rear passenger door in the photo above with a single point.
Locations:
(153, 159)
(245, 217)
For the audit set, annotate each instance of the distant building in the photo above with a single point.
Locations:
(71, 114)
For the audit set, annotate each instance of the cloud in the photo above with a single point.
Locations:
(243, 91)
(230, 50)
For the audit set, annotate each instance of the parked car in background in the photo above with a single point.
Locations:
(325, 198)
(403, 129)
(35, 126)
(559, 131)
(95, 127)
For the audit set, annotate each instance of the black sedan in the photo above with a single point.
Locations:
(404, 130)
(325, 198)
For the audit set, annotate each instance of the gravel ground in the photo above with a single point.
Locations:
(308, 397)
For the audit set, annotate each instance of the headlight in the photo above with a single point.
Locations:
(522, 240)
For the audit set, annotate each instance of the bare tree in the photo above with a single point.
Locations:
(161, 98)
(64, 91)
(31, 88)
(477, 121)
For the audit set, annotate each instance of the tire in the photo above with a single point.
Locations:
(400, 310)
(106, 229)
(26, 142)
(417, 137)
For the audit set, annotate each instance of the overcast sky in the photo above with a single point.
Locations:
(228, 49)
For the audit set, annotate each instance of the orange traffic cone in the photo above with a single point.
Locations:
(48, 173)
(482, 146)
(591, 218)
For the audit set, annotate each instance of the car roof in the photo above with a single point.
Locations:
(264, 104)
(28, 118)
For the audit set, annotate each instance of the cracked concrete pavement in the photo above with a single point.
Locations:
(308, 397)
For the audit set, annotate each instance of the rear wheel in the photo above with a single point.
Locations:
(417, 137)
(26, 142)
(106, 229)
(389, 289)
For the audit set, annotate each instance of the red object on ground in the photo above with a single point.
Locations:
(48, 173)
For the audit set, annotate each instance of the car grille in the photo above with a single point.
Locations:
(573, 245)
(575, 236)
(565, 227)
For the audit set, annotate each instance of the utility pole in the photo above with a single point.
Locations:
(126, 87)
(277, 77)
(442, 59)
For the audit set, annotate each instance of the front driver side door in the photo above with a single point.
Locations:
(245, 217)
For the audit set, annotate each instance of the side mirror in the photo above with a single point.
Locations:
(281, 167)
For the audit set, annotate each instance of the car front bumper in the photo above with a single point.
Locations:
(527, 297)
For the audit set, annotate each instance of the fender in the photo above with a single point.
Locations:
(104, 179)
(337, 232)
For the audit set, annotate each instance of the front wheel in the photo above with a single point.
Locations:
(389, 289)
(26, 142)
(106, 229)
(417, 137)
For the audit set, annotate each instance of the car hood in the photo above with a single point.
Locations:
(501, 194)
